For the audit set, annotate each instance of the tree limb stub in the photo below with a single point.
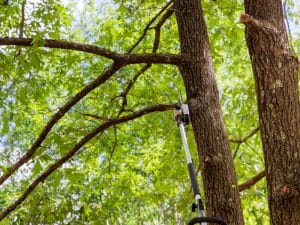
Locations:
(125, 59)
(77, 147)
(264, 26)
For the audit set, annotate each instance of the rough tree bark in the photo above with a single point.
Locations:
(220, 185)
(275, 71)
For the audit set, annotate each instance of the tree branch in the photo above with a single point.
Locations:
(22, 20)
(240, 141)
(113, 149)
(157, 28)
(120, 60)
(243, 140)
(129, 86)
(149, 25)
(77, 147)
(57, 116)
(252, 181)
(131, 83)
(125, 59)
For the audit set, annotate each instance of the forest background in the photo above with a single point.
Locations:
(133, 171)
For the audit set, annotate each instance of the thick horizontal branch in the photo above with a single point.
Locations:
(124, 59)
(252, 181)
(56, 117)
(162, 58)
(61, 44)
(77, 147)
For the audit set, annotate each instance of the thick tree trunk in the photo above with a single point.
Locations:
(275, 72)
(220, 186)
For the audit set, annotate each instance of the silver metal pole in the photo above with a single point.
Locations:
(191, 167)
(184, 142)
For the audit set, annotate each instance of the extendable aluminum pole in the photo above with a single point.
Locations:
(182, 119)
(192, 173)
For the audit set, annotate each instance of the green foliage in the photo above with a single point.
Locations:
(132, 173)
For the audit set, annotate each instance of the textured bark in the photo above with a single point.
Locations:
(220, 186)
(275, 72)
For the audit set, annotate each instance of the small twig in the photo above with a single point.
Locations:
(21, 28)
(129, 86)
(252, 181)
(239, 141)
(113, 149)
(157, 28)
(22, 21)
(243, 140)
(148, 26)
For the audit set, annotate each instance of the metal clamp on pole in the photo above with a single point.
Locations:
(182, 118)
(182, 114)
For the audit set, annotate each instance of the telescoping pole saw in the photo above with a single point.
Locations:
(182, 118)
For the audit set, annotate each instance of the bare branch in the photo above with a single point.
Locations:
(164, 18)
(243, 140)
(22, 20)
(252, 181)
(78, 146)
(239, 141)
(148, 26)
(57, 116)
(125, 59)
(157, 28)
(113, 149)
(129, 86)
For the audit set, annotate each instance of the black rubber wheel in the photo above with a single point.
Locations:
(200, 220)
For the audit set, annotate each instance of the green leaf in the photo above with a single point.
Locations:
(37, 168)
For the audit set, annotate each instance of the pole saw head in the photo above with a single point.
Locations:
(181, 114)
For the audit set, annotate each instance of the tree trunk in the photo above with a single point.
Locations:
(275, 72)
(220, 185)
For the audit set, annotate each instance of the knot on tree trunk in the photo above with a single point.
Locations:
(261, 25)
(211, 159)
(288, 191)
